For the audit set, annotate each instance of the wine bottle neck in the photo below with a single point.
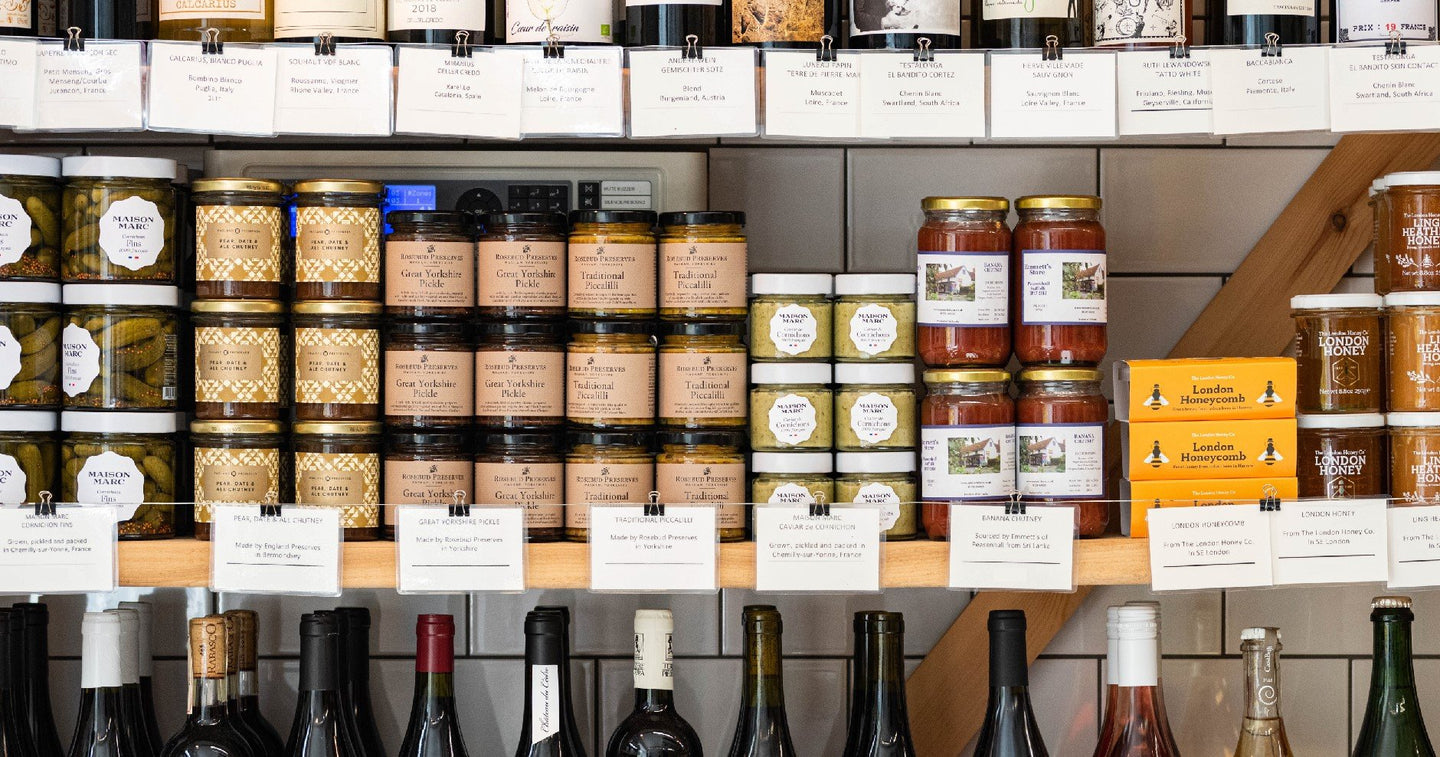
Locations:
(1393, 667)
(247, 684)
(654, 699)
(434, 692)
(1137, 663)
(1262, 682)
(319, 664)
(209, 699)
(884, 694)
(1008, 666)
(764, 682)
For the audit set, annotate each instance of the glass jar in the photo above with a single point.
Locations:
(875, 407)
(29, 217)
(791, 316)
(1413, 351)
(612, 264)
(119, 220)
(236, 463)
(337, 361)
(702, 375)
(874, 317)
(963, 282)
(703, 262)
(967, 442)
(29, 344)
(524, 468)
(337, 465)
(1379, 233)
(705, 467)
(605, 468)
(238, 344)
(886, 479)
(239, 237)
(1408, 260)
(425, 468)
(792, 478)
(337, 239)
(1414, 457)
(522, 265)
(791, 407)
(1060, 279)
(27, 456)
(1060, 442)
(123, 459)
(610, 374)
(429, 374)
(247, 21)
(1339, 352)
(1341, 456)
(118, 347)
(429, 265)
(520, 375)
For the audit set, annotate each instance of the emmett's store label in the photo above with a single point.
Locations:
(1208, 449)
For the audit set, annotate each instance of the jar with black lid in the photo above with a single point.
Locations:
(612, 264)
(239, 234)
(337, 239)
(520, 375)
(429, 264)
(337, 361)
(605, 468)
(429, 369)
(337, 465)
(610, 374)
(524, 469)
(703, 265)
(425, 468)
(705, 467)
(702, 375)
(522, 265)
(236, 463)
(238, 370)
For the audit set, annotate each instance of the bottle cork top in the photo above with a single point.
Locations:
(1259, 634)
(207, 647)
(246, 625)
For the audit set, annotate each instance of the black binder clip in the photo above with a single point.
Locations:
(1179, 49)
(1052, 50)
(923, 53)
(693, 49)
(74, 40)
(1272, 46)
(825, 53)
(1270, 502)
(819, 508)
(210, 43)
(461, 48)
(553, 48)
(654, 507)
(270, 509)
(460, 508)
(1394, 47)
(46, 506)
(1015, 505)
(325, 43)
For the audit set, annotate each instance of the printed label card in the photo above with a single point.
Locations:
(806, 97)
(70, 552)
(348, 93)
(1161, 94)
(18, 57)
(1255, 93)
(943, 98)
(675, 96)
(95, 89)
(1071, 98)
(440, 94)
(1372, 91)
(1220, 547)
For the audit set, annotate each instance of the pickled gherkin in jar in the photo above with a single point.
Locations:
(27, 456)
(29, 344)
(118, 219)
(29, 217)
(123, 459)
(118, 347)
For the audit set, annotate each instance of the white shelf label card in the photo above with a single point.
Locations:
(799, 552)
(440, 553)
(992, 550)
(443, 95)
(1072, 98)
(296, 552)
(1414, 546)
(17, 97)
(634, 550)
(580, 95)
(348, 93)
(1340, 541)
(231, 92)
(1372, 91)
(1220, 547)
(1256, 94)
(674, 96)
(70, 552)
(95, 89)
(806, 97)
(1160, 94)
(901, 97)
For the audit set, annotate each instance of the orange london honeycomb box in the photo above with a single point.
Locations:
(1199, 389)
(1143, 496)
(1190, 450)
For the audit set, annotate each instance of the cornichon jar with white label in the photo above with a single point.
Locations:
(124, 459)
(238, 365)
(791, 316)
(118, 220)
(875, 407)
(337, 465)
(883, 479)
(29, 344)
(792, 478)
(29, 217)
(118, 347)
(874, 317)
(791, 407)
(238, 237)
(27, 455)
(236, 463)
(337, 239)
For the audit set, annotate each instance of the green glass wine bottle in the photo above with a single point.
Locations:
(1393, 726)
(763, 729)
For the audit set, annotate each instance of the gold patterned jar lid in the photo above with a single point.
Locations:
(339, 186)
(237, 185)
(237, 306)
(338, 308)
(343, 428)
(236, 428)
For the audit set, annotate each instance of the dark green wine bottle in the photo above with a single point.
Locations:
(763, 730)
(1393, 725)
(882, 728)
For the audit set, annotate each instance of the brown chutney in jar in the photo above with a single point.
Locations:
(429, 265)
(337, 465)
(703, 263)
(1339, 352)
(520, 375)
(238, 344)
(1342, 456)
(523, 468)
(429, 374)
(337, 239)
(239, 234)
(522, 265)
(236, 463)
(612, 264)
(337, 361)
(425, 468)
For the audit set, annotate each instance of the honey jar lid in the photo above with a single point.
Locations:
(1378, 186)
(40, 292)
(259, 307)
(875, 462)
(790, 373)
(874, 283)
(1413, 179)
(344, 428)
(792, 462)
(13, 421)
(1404, 299)
(29, 165)
(237, 185)
(80, 421)
(1412, 420)
(340, 186)
(109, 166)
(236, 428)
(1058, 202)
(1060, 374)
(140, 295)
(822, 284)
(1336, 301)
(965, 203)
(875, 373)
(1341, 420)
(966, 376)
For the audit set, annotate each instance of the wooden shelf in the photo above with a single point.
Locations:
(371, 565)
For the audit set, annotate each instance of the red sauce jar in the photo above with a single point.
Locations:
(967, 442)
(1060, 443)
(1060, 278)
(963, 275)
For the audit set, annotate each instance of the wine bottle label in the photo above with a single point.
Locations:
(1121, 22)
(1059, 287)
(437, 14)
(578, 21)
(1270, 7)
(1363, 20)
(904, 17)
(964, 288)
(633, 3)
(362, 19)
(178, 10)
(996, 10)
(16, 14)
(545, 704)
(753, 21)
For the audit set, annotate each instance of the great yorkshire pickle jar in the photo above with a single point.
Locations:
(522, 265)
(429, 369)
(123, 459)
(703, 263)
(429, 265)
(520, 375)
(29, 217)
(239, 234)
(238, 348)
(425, 467)
(612, 264)
(119, 220)
(337, 465)
(337, 239)
(524, 468)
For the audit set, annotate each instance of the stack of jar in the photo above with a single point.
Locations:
(971, 448)
(835, 375)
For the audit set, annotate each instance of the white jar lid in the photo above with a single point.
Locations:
(1413, 179)
(1402, 299)
(103, 422)
(1345, 300)
(874, 283)
(28, 291)
(792, 462)
(790, 373)
(29, 420)
(875, 373)
(122, 294)
(1377, 186)
(1341, 420)
(109, 166)
(875, 462)
(29, 165)
(1410, 420)
(792, 283)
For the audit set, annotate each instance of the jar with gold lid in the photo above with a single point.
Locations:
(967, 441)
(524, 468)
(610, 374)
(337, 361)
(522, 265)
(337, 465)
(705, 467)
(703, 263)
(236, 463)
(612, 264)
(337, 239)
(429, 264)
(425, 467)
(239, 233)
(605, 468)
(1060, 419)
(124, 459)
(1061, 281)
(702, 375)
(238, 344)
(963, 282)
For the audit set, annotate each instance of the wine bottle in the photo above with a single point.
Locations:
(132, 708)
(1393, 725)
(763, 730)
(1247, 22)
(899, 24)
(147, 671)
(434, 729)
(1262, 733)
(320, 727)
(1109, 727)
(437, 23)
(1376, 20)
(355, 680)
(247, 683)
(232, 686)
(547, 692)
(14, 741)
(654, 728)
(666, 22)
(209, 729)
(856, 722)
(884, 722)
(29, 630)
(792, 24)
(571, 726)
(99, 726)
(1010, 729)
(1141, 723)
(1017, 24)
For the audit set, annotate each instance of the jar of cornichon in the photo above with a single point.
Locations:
(522, 265)
(429, 369)
(886, 479)
(238, 348)
(875, 317)
(123, 459)
(610, 374)
(605, 468)
(29, 344)
(239, 233)
(791, 407)
(29, 217)
(118, 347)
(338, 465)
(792, 478)
(705, 467)
(524, 468)
(337, 361)
(425, 468)
(875, 407)
(27, 456)
(237, 463)
(337, 239)
(612, 264)
(520, 375)
(702, 375)
(429, 265)
(703, 263)
(791, 316)
(119, 220)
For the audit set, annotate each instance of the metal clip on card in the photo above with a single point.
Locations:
(1270, 502)
(459, 508)
(74, 40)
(553, 48)
(693, 50)
(325, 44)
(1179, 49)
(819, 508)
(1272, 46)
(461, 48)
(1394, 47)
(270, 509)
(825, 53)
(654, 506)
(46, 505)
(923, 51)
(210, 43)
(1015, 505)
(1053, 50)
